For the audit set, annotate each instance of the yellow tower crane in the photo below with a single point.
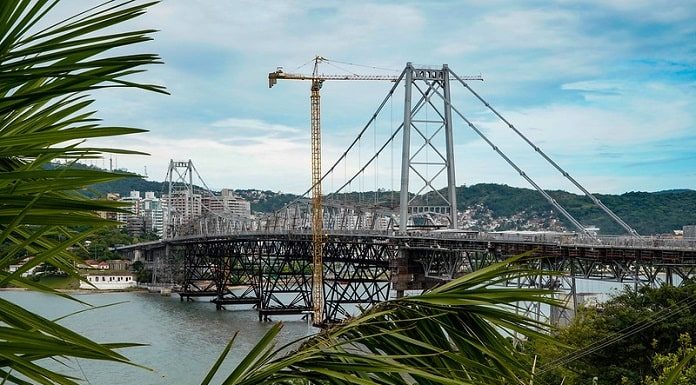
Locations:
(317, 80)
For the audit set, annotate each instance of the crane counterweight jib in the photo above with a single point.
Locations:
(273, 77)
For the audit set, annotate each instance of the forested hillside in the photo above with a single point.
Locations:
(648, 213)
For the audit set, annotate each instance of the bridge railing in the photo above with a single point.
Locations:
(566, 239)
(641, 242)
(560, 239)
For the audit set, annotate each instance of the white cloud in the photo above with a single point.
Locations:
(258, 159)
(283, 28)
(254, 126)
(663, 11)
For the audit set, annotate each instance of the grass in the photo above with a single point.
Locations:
(60, 282)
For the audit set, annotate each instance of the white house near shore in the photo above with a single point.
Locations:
(114, 281)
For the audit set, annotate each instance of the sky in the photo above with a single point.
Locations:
(607, 88)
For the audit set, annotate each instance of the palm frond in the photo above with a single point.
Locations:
(458, 333)
(46, 74)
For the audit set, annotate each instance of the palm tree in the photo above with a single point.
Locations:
(46, 73)
(458, 333)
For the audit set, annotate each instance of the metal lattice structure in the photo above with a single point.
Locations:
(424, 82)
(274, 272)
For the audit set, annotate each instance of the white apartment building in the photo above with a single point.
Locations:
(227, 202)
(184, 204)
(235, 204)
(153, 209)
(147, 214)
(134, 199)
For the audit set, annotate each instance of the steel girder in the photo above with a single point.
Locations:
(356, 272)
(286, 276)
(275, 273)
(199, 272)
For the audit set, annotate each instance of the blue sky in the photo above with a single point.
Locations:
(607, 88)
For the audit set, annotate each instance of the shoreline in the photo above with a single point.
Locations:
(78, 291)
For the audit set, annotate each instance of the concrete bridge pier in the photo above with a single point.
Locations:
(401, 277)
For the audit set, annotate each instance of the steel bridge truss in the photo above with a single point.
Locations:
(226, 271)
(275, 273)
(559, 268)
(296, 217)
(274, 270)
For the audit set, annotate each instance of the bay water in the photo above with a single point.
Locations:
(183, 338)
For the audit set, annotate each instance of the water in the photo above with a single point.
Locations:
(184, 339)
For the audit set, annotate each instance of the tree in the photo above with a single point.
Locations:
(46, 73)
(458, 333)
(100, 243)
(667, 364)
(616, 341)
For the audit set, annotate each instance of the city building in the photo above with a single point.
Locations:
(146, 214)
(110, 215)
(227, 202)
(108, 281)
(153, 209)
(183, 205)
(689, 232)
(134, 200)
(150, 214)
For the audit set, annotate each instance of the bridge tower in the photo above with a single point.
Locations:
(427, 124)
(180, 199)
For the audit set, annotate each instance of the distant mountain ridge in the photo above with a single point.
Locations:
(501, 207)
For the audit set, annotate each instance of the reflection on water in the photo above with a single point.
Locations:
(184, 338)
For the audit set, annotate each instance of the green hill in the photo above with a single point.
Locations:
(648, 213)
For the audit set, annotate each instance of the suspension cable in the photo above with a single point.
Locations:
(563, 172)
(391, 129)
(524, 175)
(374, 149)
(362, 176)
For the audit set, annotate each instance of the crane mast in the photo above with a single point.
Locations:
(317, 212)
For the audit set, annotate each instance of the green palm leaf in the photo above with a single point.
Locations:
(46, 74)
(458, 333)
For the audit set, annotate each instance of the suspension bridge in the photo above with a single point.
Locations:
(374, 232)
